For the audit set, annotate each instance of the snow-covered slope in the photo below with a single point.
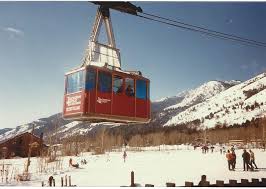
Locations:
(235, 105)
(201, 93)
(53, 125)
(160, 105)
(109, 169)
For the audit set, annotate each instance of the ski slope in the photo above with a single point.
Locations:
(175, 164)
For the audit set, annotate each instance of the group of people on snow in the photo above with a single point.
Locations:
(205, 149)
(222, 150)
(231, 159)
(248, 160)
(83, 162)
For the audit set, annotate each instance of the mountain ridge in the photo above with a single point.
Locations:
(185, 107)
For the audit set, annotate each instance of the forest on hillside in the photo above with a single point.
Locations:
(106, 139)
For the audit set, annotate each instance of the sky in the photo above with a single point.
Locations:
(40, 41)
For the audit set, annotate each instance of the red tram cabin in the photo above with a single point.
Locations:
(103, 94)
(100, 90)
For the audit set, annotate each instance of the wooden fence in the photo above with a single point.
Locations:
(65, 182)
(232, 183)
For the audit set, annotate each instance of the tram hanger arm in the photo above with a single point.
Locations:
(125, 7)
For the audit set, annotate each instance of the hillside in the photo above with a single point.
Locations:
(235, 105)
(212, 103)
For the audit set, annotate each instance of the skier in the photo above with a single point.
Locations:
(252, 159)
(246, 160)
(125, 156)
(229, 158)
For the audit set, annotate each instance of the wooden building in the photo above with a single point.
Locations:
(20, 145)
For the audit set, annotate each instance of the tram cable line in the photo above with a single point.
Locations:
(249, 43)
(137, 11)
(202, 28)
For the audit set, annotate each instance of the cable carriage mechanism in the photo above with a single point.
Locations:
(99, 90)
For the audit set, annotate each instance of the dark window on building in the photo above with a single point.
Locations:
(129, 87)
(118, 84)
(141, 89)
(104, 82)
(90, 79)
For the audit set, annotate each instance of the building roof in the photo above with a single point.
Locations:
(17, 136)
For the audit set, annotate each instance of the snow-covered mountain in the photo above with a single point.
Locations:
(202, 93)
(54, 125)
(159, 105)
(235, 105)
(212, 103)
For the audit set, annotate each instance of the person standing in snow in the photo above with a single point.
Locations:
(203, 181)
(206, 149)
(233, 160)
(70, 162)
(202, 149)
(229, 158)
(212, 148)
(246, 160)
(50, 180)
(252, 159)
(125, 156)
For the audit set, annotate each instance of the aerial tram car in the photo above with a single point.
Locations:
(99, 90)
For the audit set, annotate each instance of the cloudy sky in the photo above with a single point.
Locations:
(40, 41)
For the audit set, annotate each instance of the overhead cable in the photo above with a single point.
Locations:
(202, 28)
(204, 31)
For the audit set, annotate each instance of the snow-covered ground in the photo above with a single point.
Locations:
(175, 164)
